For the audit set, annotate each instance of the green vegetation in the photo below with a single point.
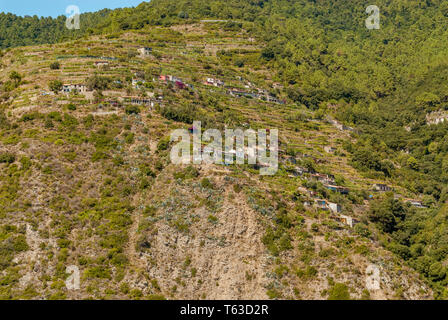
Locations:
(339, 291)
(106, 178)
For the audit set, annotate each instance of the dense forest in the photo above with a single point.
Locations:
(384, 82)
(22, 31)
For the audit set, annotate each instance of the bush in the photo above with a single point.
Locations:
(339, 292)
(239, 63)
(213, 219)
(163, 144)
(98, 83)
(132, 110)
(189, 172)
(30, 116)
(7, 158)
(55, 85)
(206, 183)
(184, 114)
(55, 65)
(237, 188)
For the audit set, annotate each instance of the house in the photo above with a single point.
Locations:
(140, 101)
(261, 95)
(112, 102)
(339, 189)
(176, 81)
(239, 93)
(381, 187)
(329, 149)
(101, 63)
(312, 193)
(144, 51)
(298, 171)
(270, 98)
(180, 84)
(416, 203)
(277, 85)
(324, 178)
(214, 82)
(78, 88)
(436, 117)
(136, 83)
(321, 204)
(351, 222)
(334, 207)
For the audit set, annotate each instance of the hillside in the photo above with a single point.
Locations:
(86, 178)
(86, 181)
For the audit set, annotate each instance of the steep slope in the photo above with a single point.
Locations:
(86, 179)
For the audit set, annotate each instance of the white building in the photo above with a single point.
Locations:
(214, 82)
(334, 207)
(136, 83)
(351, 222)
(145, 51)
(79, 88)
(101, 63)
(329, 149)
(436, 117)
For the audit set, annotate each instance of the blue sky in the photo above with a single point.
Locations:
(56, 8)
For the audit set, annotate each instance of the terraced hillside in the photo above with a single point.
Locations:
(86, 179)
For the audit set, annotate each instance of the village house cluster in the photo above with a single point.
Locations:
(437, 117)
(74, 88)
(214, 82)
(261, 94)
(328, 181)
(144, 51)
(149, 99)
(311, 198)
(177, 82)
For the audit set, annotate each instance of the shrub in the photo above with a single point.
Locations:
(163, 144)
(339, 292)
(273, 294)
(132, 110)
(206, 183)
(189, 172)
(30, 116)
(213, 219)
(237, 188)
(7, 158)
(98, 83)
(55, 65)
(184, 114)
(55, 85)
